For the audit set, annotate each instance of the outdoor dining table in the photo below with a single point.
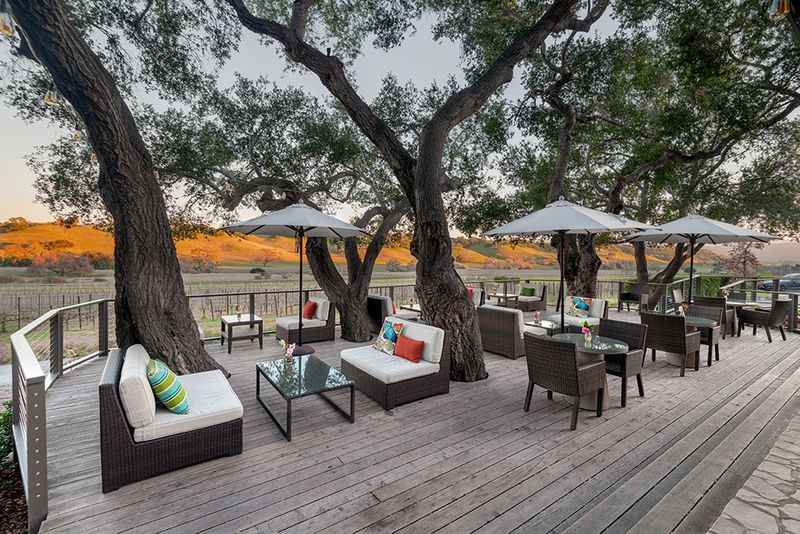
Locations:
(591, 353)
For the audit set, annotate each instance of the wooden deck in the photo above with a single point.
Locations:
(468, 461)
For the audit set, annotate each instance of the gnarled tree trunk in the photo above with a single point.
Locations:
(582, 265)
(150, 305)
(350, 296)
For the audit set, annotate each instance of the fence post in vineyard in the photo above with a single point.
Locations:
(102, 328)
(252, 308)
(391, 293)
(56, 346)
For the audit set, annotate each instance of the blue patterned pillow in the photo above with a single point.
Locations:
(388, 336)
(167, 388)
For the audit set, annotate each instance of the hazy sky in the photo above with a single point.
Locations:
(419, 59)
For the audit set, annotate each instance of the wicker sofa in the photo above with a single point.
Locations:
(598, 309)
(321, 328)
(139, 440)
(391, 380)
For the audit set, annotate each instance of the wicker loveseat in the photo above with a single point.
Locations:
(391, 380)
(321, 328)
(598, 309)
(139, 440)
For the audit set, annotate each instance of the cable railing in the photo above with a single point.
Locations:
(38, 359)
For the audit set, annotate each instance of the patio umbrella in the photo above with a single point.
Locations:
(563, 217)
(694, 229)
(299, 221)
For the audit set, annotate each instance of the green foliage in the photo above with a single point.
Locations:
(6, 434)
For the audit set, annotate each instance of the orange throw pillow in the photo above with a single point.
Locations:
(309, 309)
(409, 349)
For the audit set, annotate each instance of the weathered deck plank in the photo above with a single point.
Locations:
(471, 460)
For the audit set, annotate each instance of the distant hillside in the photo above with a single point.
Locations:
(24, 241)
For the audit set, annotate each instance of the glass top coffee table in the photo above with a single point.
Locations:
(299, 377)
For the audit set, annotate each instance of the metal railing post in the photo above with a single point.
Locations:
(620, 287)
(36, 453)
(793, 314)
(102, 328)
(252, 309)
(56, 346)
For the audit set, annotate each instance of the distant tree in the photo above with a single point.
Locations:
(741, 260)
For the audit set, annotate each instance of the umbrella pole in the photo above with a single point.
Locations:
(300, 349)
(562, 235)
(300, 299)
(691, 267)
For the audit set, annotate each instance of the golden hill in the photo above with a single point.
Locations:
(22, 240)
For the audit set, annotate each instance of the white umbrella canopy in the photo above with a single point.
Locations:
(703, 230)
(298, 220)
(694, 229)
(567, 217)
(563, 217)
(295, 220)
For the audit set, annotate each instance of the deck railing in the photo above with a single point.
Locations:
(43, 340)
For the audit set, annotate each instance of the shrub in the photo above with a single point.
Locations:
(8, 279)
(393, 266)
(6, 435)
(256, 270)
(61, 264)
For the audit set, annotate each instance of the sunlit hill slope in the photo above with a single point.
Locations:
(24, 241)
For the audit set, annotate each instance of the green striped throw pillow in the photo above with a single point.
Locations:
(166, 387)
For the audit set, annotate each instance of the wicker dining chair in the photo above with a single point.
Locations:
(630, 363)
(773, 318)
(728, 317)
(553, 365)
(668, 333)
(709, 336)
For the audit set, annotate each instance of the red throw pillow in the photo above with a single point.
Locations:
(470, 293)
(408, 348)
(309, 309)
(394, 309)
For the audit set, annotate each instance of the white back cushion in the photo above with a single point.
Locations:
(597, 308)
(135, 394)
(476, 296)
(431, 335)
(323, 308)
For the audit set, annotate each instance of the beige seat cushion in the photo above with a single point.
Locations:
(291, 323)
(572, 320)
(211, 402)
(385, 367)
(408, 315)
(523, 298)
(135, 393)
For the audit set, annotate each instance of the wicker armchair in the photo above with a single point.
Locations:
(325, 331)
(629, 364)
(773, 318)
(668, 333)
(501, 330)
(529, 304)
(553, 365)
(124, 460)
(709, 336)
(728, 317)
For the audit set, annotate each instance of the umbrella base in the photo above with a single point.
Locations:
(302, 350)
